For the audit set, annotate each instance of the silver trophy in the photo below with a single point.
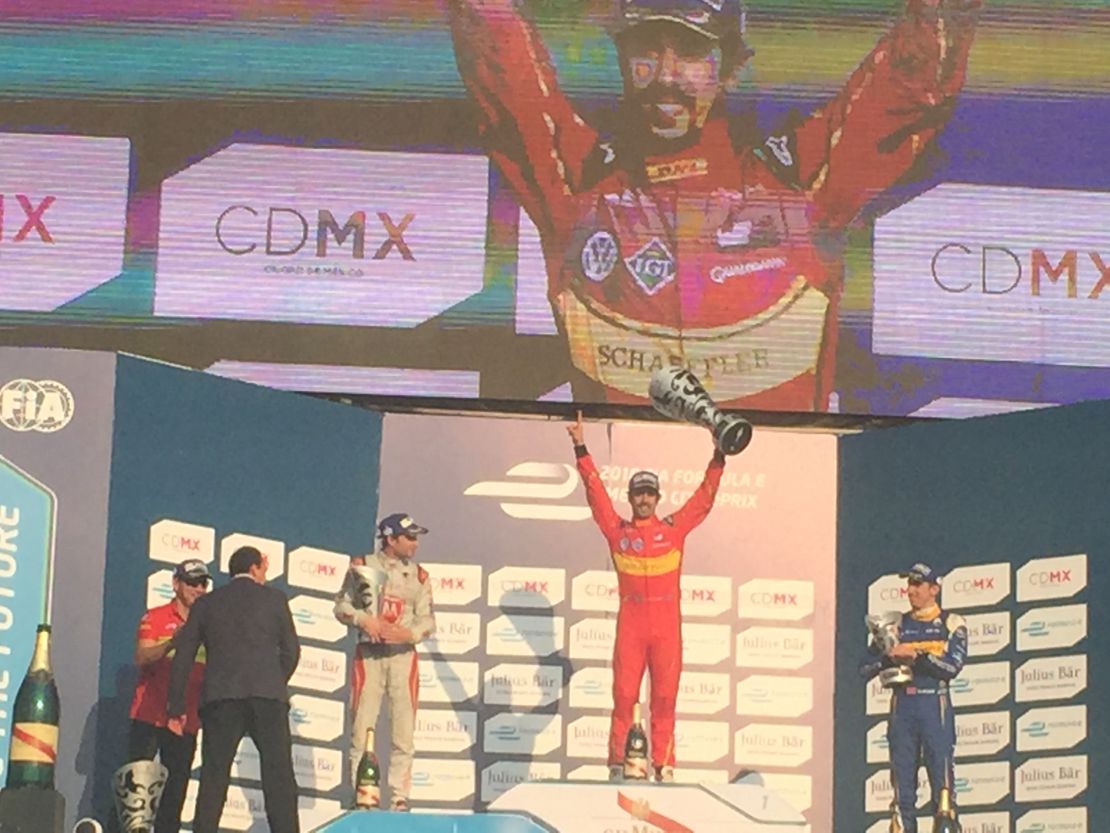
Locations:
(884, 634)
(677, 393)
(138, 789)
(371, 587)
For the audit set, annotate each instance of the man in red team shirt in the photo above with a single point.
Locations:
(647, 555)
(149, 734)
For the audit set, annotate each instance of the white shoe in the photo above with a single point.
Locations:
(664, 774)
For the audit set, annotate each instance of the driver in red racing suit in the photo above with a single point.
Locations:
(647, 555)
(674, 244)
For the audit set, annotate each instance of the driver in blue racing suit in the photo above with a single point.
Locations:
(934, 646)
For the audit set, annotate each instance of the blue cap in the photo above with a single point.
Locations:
(921, 572)
(400, 523)
(715, 19)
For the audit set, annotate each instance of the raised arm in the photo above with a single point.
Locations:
(697, 507)
(529, 128)
(601, 506)
(893, 105)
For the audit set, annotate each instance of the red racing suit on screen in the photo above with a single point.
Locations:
(647, 555)
(720, 257)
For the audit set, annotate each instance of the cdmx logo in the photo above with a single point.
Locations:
(543, 483)
(286, 232)
(31, 221)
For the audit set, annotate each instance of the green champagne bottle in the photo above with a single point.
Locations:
(34, 742)
(635, 749)
(368, 782)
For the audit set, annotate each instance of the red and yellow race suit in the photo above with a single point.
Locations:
(647, 555)
(715, 256)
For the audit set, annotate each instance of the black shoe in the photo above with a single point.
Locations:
(399, 805)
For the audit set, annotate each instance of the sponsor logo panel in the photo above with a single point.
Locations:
(593, 638)
(526, 587)
(773, 744)
(454, 584)
(701, 741)
(313, 619)
(1056, 820)
(773, 696)
(588, 737)
(445, 730)
(992, 822)
(797, 790)
(981, 783)
(243, 808)
(316, 767)
(522, 734)
(513, 635)
(981, 733)
(705, 644)
(1059, 626)
(976, 585)
(766, 647)
(313, 811)
(545, 487)
(447, 681)
(314, 718)
(595, 590)
(1051, 779)
(1055, 727)
(878, 747)
(1059, 577)
(456, 634)
(522, 685)
(980, 684)
(320, 669)
(887, 593)
(878, 698)
(274, 550)
(316, 569)
(879, 792)
(1050, 678)
(987, 633)
(702, 692)
(591, 687)
(591, 772)
(502, 776)
(159, 588)
(442, 780)
(174, 541)
(705, 595)
(784, 599)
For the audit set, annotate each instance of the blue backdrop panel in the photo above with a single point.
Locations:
(998, 491)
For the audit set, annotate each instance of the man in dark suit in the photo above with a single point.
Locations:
(247, 632)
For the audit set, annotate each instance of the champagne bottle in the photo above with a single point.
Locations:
(945, 820)
(34, 742)
(635, 749)
(368, 780)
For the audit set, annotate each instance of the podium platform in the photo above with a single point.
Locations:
(592, 807)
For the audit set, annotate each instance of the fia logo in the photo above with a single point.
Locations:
(26, 405)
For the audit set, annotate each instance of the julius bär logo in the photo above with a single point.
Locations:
(240, 230)
(26, 405)
(31, 220)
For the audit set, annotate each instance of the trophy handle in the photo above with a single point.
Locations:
(734, 436)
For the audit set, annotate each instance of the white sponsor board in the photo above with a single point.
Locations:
(705, 595)
(981, 783)
(773, 696)
(595, 590)
(588, 737)
(320, 669)
(273, 550)
(990, 822)
(593, 638)
(878, 746)
(63, 217)
(502, 776)
(321, 235)
(514, 635)
(1056, 820)
(878, 698)
(522, 734)
(768, 647)
(797, 790)
(705, 644)
(313, 618)
(1051, 779)
(879, 792)
(987, 633)
(976, 585)
(174, 541)
(773, 744)
(703, 692)
(1059, 626)
(981, 733)
(767, 598)
(522, 685)
(456, 634)
(313, 811)
(1050, 678)
(316, 569)
(454, 584)
(970, 271)
(1059, 577)
(447, 681)
(159, 588)
(315, 718)
(980, 684)
(445, 730)
(526, 587)
(592, 772)
(442, 780)
(243, 808)
(591, 687)
(1053, 727)
(887, 593)
(701, 741)
(317, 767)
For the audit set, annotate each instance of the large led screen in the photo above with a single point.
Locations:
(858, 206)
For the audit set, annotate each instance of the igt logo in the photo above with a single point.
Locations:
(240, 231)
(31, 220)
